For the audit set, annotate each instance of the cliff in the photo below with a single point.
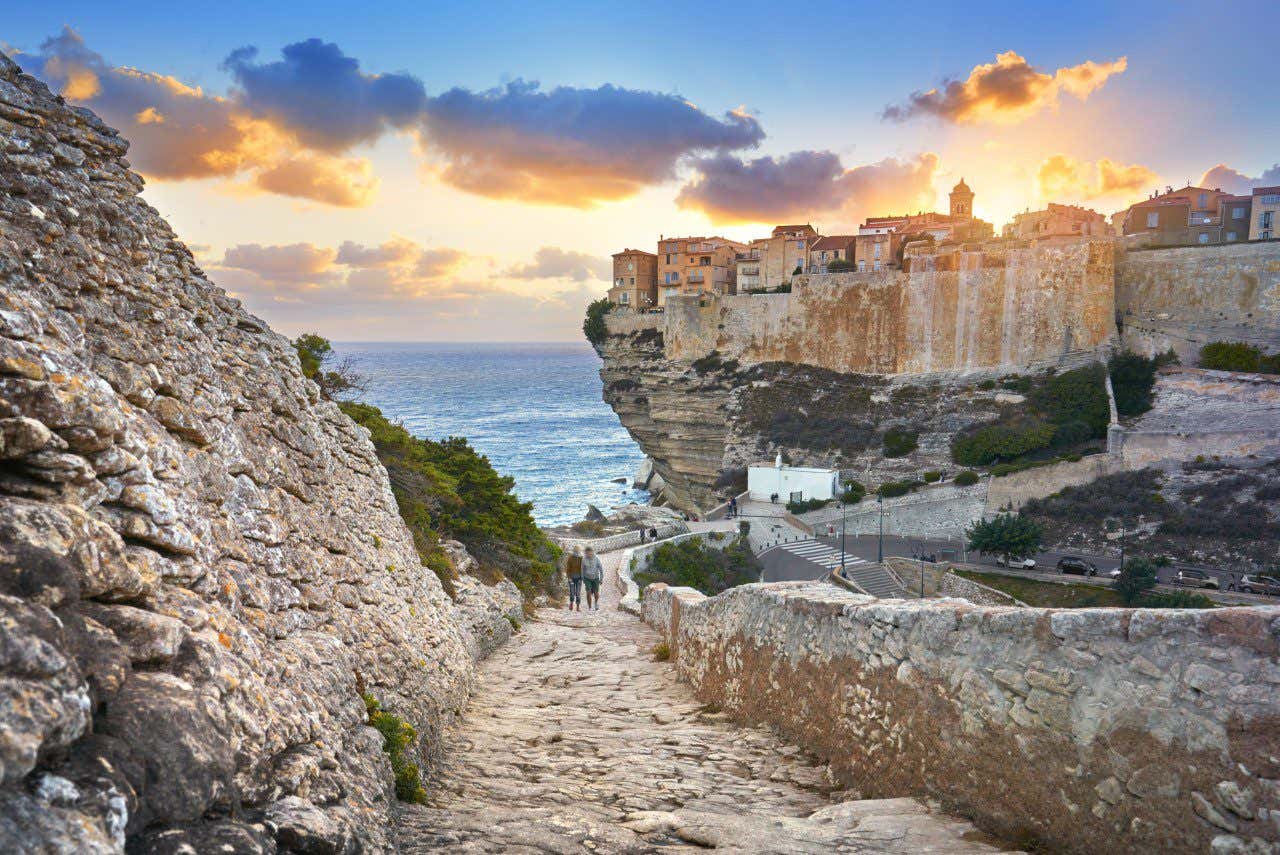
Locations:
(1085, 730)
(202, 566)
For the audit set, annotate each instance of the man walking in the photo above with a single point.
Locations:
(573, 569)
(592, 575)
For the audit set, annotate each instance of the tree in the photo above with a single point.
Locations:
(840, 265)
(1137, 576)
(1010, 536)
(594, 327)
(315, 353)
(902, 247)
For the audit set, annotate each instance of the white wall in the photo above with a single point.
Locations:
(764, 481)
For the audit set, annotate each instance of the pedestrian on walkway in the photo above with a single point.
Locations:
(733, 506)
(592, 575)
(573, 569)
(653, 534)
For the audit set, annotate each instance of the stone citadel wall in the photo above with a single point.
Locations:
(1085, 730)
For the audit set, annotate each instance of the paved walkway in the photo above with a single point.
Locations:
(577, 740)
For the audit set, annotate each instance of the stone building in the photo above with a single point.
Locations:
(1265, 217)
(635, 279)
(1057, 222)
(697, 265)
(879, 238)
(1189, 215)
(750, 265)
(831, 248)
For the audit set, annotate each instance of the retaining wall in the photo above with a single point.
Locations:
(1087, 730)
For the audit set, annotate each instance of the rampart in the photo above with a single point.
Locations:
(1185, 297)
(1087, 730)
(954, 311)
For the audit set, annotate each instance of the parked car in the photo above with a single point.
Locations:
(1024, 563)
(1251, 584)
(1193, 578)
(1077, 566)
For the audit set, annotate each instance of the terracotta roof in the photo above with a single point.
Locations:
(1259, 191)
(834, 242)
(633, 252)
(961, 187)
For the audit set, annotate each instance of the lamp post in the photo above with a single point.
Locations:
(880, 516)
(844, 515)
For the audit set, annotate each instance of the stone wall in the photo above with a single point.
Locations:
(1186, 297)
(202, 565)
(940, 511)
(1089, 730)
(1017, 488)
(951, 312)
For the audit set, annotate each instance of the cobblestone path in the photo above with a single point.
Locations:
(577, 740)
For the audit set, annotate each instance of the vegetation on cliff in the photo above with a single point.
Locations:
(1237, 356)
(398, 737)
(448, 489)
(695, 564)
(593, 326)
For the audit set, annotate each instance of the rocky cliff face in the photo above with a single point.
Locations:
(201, 561)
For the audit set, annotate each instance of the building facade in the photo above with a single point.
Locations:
(635, 279)
(697, 265)
(1190, 215)
(1264, 217)
(1057, 222)
(831, 248)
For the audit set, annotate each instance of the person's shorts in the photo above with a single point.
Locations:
(593, 585)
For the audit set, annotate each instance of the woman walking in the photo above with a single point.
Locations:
(573, 570)
(592, 575)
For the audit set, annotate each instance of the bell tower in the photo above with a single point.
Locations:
(962, 201)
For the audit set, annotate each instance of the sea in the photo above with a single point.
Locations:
(534, 410)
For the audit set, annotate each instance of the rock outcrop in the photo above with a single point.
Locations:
(201, 562)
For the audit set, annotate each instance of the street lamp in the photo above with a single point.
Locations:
(844, 515)
(880, 515)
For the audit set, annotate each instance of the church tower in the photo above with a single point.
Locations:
(962, 201)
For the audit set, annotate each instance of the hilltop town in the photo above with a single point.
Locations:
(700, 265)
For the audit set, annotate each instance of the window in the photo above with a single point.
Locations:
(1237, 213)
(1231, 236)
(1273, 199)
(1204, 201)
(705, 261)
(631, 267)
(877, 264)
(862, 267)
(1153, 219)
(1203, 237)
(626, 298)
(876, 254)
(633, 280)
(1264, 221)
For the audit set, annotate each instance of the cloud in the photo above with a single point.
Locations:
(295, 262)
(552, 262)
(322, 96)
(1237, 183)
(1007, 90)
(571, 146)
(1063, 178)
(341, 182)
(434, 263)
(804, 183)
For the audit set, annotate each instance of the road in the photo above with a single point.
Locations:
(781, 566)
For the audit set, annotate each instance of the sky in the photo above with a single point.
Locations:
(410, 171)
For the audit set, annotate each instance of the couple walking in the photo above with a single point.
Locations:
(582, 566)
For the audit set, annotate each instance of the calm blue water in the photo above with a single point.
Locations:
(534, 409)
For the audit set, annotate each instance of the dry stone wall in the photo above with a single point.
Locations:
(1089, 730)
(201, 561)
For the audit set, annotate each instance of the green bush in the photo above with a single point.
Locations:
(593, 327)
(853, 493)
(932, 476)
(398, 737)
(661, 651)
(588, 528)
(714, 362)
(804, 505)
(1078, 395)
(967, 478)
(1132, 379)
(1001, 441)
(1238, 356)
(987, 385)
(448, 489)
(694, 564)
(840, 265)
(1009, 536)
(1176, 600)
(899, 442)
(893, 489)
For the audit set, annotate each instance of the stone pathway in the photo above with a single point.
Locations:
(579, 741)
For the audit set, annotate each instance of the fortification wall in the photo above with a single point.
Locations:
(1184, 298)
(1088, 730)
(1017, 488)
(999, 307)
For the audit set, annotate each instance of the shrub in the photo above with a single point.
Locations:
(987, 385)
(967, 478)
(588, 528)
(1230, 356)
(893, 489)
(853, 493)
(314, 354)
(714, 362)
(932, 476)
(694, 564)
(899, 442)
(1010, 536)
(661, 651)
(744, 528)
(1078, 395)
(804, 505)
(594, 327)
(1001, 441)
(733, 481)
(1176, 600)
(1127, 495)
(398, 737)
(1132, 379)
(515, 623)
(1137, 577)
(840, 265)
